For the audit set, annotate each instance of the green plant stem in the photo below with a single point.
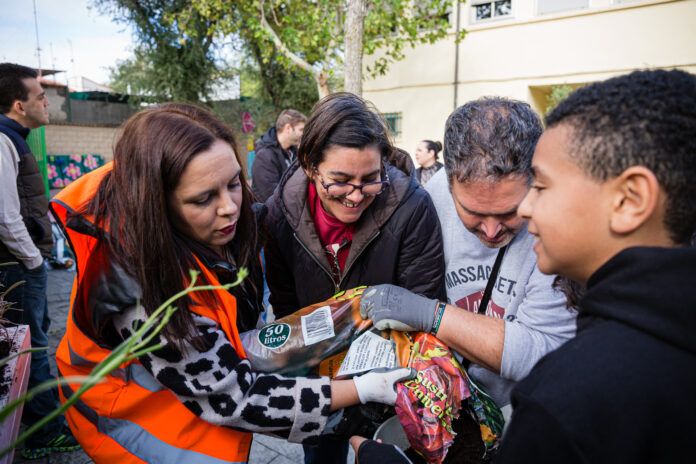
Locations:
(128, 350)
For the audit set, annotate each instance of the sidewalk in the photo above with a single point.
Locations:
(265, 450)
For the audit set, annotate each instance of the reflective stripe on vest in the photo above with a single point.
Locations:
(133, 372)
(139, 441)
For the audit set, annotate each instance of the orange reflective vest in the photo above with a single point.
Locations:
(130, 417)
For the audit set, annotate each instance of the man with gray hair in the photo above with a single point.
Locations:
(503, 313)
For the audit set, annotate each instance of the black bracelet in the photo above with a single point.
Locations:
(439, 312)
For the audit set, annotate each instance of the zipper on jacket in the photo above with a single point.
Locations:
(345, 272)
(333, 281)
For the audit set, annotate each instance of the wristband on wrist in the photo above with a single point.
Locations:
(439, 312)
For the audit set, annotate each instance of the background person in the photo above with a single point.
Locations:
(25, 239)
(344, 216)
(275, 152)
(622, 389)
(426, 157)
(486, 176)
(196, 398)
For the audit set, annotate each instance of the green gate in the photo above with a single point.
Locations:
(37, 144)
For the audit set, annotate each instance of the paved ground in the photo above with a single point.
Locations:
(265, 450)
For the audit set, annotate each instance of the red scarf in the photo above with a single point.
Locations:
(334, 235)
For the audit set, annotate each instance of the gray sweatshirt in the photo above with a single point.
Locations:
(536, 318)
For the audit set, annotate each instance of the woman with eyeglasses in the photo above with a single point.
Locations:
(345, 216)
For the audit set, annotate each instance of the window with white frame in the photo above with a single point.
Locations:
(556, 6)
(482, 10)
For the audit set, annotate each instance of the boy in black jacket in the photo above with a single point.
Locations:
(613, 206)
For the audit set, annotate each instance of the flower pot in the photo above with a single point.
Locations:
(14, 378)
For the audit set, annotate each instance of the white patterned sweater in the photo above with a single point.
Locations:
(222, 389)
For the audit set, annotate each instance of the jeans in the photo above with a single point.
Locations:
(329, 450)
(31, 307)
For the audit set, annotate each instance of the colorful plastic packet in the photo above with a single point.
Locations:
(299, 342)
(428, 405)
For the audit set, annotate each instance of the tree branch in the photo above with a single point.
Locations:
(282, 47)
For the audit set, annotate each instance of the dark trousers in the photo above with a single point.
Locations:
(30, 306)
(330, 450)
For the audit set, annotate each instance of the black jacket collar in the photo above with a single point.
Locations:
(650, 289)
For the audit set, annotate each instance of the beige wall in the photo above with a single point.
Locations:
(526, 53)
(77, 140)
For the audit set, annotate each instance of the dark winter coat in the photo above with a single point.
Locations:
(270, 163)
(624, 389)
(397, 240)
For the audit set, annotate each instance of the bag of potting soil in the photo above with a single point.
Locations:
(299, 342)
(428, 405)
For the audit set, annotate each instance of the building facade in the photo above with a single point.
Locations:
(526, 49)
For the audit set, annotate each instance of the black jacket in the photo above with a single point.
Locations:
(270, 163)
(624, 390)
(397, 240)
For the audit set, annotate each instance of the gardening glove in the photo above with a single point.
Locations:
(379, 385)
(392, 307)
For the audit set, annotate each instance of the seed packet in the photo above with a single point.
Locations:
(429, 404)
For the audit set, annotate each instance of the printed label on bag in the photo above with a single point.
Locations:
(274, 335)
(367, 352)
(317, 325)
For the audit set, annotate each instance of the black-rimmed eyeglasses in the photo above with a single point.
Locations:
(343, 189)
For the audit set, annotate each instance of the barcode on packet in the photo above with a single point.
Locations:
(317, 326)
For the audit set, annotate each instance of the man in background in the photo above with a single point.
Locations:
(275, 151)
(26, 241)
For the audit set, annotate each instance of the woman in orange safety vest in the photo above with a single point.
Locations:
(175, 198)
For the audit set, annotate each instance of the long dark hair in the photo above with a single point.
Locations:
(155, 148)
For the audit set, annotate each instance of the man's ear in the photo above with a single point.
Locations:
(636, 197)
(18, 107)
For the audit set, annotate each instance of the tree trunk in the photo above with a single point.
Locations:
(355, 23)
(322, 80)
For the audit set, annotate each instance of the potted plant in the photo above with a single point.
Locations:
(15, 358)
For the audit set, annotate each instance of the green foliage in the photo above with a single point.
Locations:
(173, 60)
(558, 93)
(136, 345)
(314, 30)
(276, 84)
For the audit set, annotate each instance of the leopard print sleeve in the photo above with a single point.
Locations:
(221, 388)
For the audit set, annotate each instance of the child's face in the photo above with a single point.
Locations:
(566, 211)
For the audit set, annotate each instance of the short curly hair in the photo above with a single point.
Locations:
(490, 138)
(646, 118)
